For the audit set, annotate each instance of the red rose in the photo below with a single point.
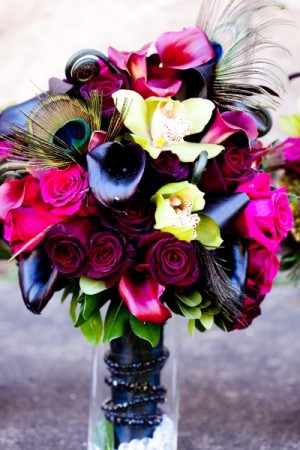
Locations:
(67, 245)
(172, 262)
(110, 256)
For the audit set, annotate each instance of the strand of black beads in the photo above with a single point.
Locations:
(135, 371)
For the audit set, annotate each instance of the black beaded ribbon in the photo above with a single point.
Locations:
(135, 391)
(136, 367)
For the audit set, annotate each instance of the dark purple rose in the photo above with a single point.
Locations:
(173, 262)
(137, 219)
(67, 245)
(105, 84)
(230, 168)
(167, 168)
(110, 256)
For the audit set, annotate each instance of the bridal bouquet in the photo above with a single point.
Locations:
(135, 183)
(135, 187)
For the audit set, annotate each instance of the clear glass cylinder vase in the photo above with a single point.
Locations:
(134, 397)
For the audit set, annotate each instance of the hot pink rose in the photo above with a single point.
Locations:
(25, 228)
(23, 223)
(268, 218)
(291, 149)
(262, 270)
(64, 189)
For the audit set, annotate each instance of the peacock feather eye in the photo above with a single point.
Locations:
(58, 131)
(61, 120)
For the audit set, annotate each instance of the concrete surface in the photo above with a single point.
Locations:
(238, 391)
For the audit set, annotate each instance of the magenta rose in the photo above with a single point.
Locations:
(262, 269)
(173, 262)
(267, 218)
(110, 256)
(24, 225)
(67, 245)
(64, 189)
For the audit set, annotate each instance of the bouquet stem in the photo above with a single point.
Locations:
(134, 380)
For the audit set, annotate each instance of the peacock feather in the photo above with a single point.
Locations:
(242, 75)
(58, 131)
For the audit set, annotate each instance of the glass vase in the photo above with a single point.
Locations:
(134, 394)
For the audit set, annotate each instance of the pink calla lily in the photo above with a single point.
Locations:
(184, 49)
(229, 123)
(141, 292)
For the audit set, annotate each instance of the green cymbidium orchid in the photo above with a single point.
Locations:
(177, 205)
(159, 124)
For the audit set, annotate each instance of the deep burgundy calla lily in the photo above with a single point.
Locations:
(141, 293)
(114, 172)
(38, 280)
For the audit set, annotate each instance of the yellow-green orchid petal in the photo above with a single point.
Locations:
(182, 188)
(182, 233)
(175, 206)
(198, 113)
(189, 151)
(290, 125)
(136, 117)
(208, 233)
(165, 215)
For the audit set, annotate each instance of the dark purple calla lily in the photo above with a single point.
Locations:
(115, 171)
(38, 280)
(141, 292)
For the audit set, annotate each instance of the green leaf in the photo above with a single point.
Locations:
(191, 327)
(73, 307)
(199, 326)
(91, 287)
(220, 323)
(92, 329)
(92, 304)
(5, 251)
(205, 303)
(80, 319)
(71, 288)
(105, 434)
(145, 330)
(207, 321)
(115, 321)
(190, 312)
(193, 299)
